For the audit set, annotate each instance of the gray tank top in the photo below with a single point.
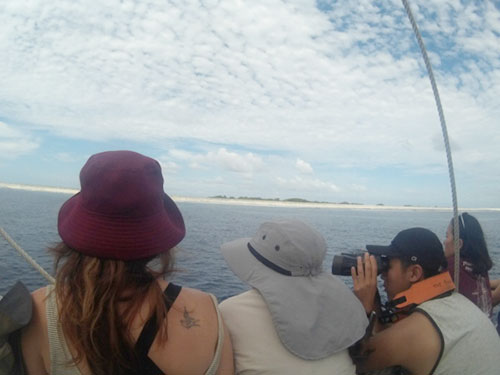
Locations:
(470, 342)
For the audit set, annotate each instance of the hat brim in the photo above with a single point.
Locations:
(389, 251)
(120, 237)
(314, 316)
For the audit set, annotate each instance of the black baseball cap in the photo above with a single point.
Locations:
(417, 245)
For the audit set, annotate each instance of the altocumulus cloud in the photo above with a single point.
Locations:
(304, 167)
(14, 143)
(305, 184)
(246, 163)
(332, 83)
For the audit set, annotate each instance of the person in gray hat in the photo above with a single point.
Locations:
(297, 318)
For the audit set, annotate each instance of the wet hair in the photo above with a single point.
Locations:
(101, 298)
(474, 248)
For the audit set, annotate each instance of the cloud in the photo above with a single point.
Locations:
(14, 143)
(304, 185)
(234, 162)
(304, 167)
(246, 163)
(235, 76)
(333, 83)
(169, 166)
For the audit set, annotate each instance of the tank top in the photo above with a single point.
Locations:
(470, 344)
(60, 356)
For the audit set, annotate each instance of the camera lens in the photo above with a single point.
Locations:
(342, 263)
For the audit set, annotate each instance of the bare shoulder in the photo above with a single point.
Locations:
(39, 296)
(195, 295)
(415, 326)
(194, 299)
(37, 328)
(413, 343)
(198, 310)
(416, 329)
(34, 336)
(199, 335)
(192, 334)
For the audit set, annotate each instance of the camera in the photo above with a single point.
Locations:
(342, 263)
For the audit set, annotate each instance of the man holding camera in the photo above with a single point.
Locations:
(438, 331)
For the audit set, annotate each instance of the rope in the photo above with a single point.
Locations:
(446, 141)
(26, 256)
(44, 273)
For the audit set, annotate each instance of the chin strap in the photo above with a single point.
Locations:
(403, 303)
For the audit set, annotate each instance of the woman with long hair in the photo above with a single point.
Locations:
(111, 311)
(475, 261)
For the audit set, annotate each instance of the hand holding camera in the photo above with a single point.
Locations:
(364, 269)
(342, 263)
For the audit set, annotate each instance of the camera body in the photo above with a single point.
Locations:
(342, 263)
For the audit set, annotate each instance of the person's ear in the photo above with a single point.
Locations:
(415, 273)
(460, 243)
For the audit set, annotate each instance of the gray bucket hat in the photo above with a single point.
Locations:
(315, 314)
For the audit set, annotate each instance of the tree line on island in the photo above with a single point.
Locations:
(294, 200)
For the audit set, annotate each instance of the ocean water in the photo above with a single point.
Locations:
(30, 218)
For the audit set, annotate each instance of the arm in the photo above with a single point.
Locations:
(412, 343)
(495, 283)
(226, 366)
(495, 291)
(32, 337)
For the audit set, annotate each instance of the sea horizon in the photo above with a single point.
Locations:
(30, 219)
(260, 202)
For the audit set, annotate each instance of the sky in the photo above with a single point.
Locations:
(321, 100)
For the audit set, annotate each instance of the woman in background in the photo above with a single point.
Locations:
(111, 311)
(475, 261)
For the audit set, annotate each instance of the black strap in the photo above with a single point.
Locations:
(148, 334)
(266, 262)
(171, 293)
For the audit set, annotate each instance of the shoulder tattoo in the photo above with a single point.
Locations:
(189, 321)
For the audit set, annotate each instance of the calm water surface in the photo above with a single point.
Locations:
(30, 219)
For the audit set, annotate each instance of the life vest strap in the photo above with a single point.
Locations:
(404, 302)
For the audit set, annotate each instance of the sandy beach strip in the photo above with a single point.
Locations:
(346, 206)
(47, 189)
(256, 202)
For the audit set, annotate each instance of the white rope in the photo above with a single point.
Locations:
(26, 256)
(31, 261)
(446, 142)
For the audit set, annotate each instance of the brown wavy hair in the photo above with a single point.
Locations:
(98, 300)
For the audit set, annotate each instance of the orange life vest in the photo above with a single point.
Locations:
(404, 302)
